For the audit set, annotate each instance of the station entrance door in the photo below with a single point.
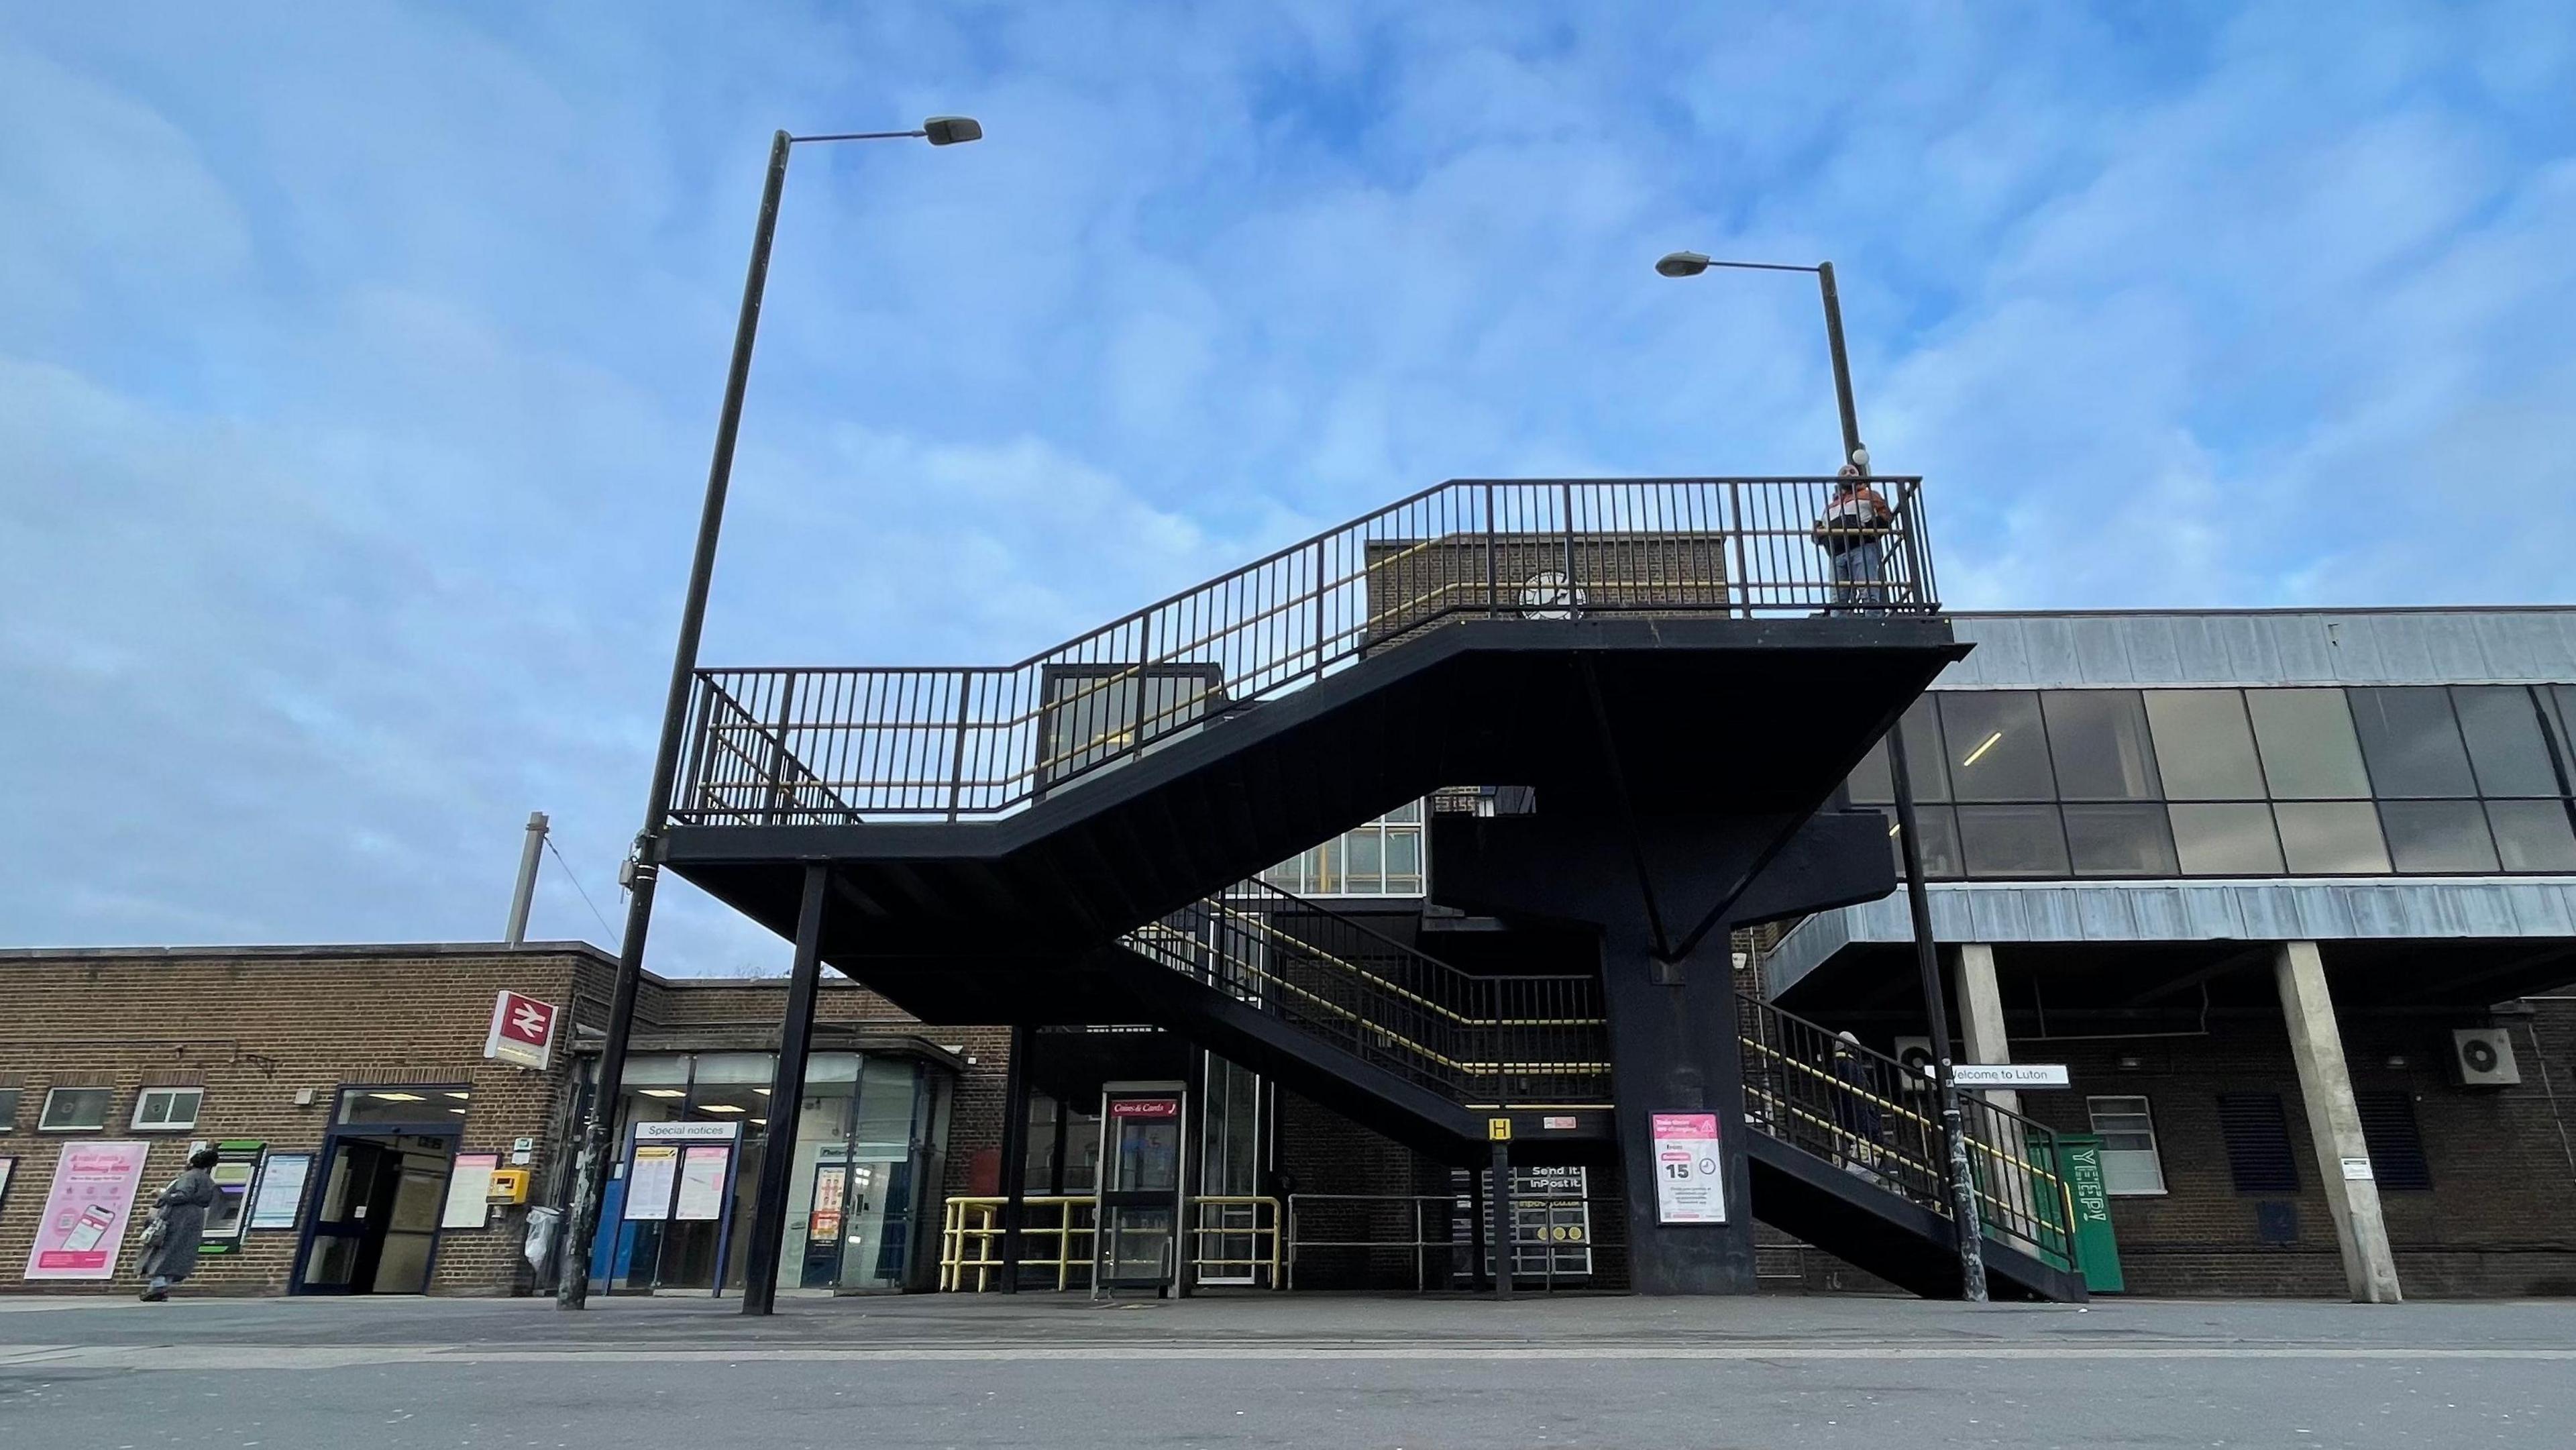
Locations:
(1141, 1173)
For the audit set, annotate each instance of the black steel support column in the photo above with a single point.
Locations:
(1015, 1152)
(1500, 1198)
(1918, 900)
(786, 1098)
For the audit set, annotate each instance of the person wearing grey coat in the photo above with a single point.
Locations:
(179, 1213)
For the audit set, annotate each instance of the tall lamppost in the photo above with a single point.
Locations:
(644, 866)
(1962, 1184)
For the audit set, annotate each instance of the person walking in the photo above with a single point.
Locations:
(1853, 534)
(178, 1223)
(1856, 1115)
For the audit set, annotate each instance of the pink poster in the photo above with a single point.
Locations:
(86, 1211)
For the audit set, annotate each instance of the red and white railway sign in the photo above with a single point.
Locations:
(523, 1031)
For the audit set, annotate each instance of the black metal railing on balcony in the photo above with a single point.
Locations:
(1481, 1041)
(1871, 1115)
(796, 746)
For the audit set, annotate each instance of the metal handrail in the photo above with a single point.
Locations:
(1809, 1087)
(973, 742)
(1525, 1040)
(971, 1230)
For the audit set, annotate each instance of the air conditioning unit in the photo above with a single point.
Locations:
(1916, 1054)
(2483, 1057)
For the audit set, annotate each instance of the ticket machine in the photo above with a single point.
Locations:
(1142, 1168)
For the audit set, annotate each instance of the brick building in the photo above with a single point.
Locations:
(313, 1068)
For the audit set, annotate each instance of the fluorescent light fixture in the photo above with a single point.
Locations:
(1979, 752)
(718, 1108)
(764, 1092)
(460, 1112)
(399, 1097)
(459, 1096)
(1893, 827)
(662, 1092)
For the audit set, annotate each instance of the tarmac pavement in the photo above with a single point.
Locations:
(1319, 1370)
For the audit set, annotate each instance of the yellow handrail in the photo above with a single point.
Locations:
(971, 1231)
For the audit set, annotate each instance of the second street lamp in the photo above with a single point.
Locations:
(644, 867)
(1961, 1181)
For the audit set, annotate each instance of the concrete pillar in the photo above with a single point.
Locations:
(2334, 1124)
(1981, 1016)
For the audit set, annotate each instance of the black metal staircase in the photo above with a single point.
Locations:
(1018, 844)
(1848, 1155)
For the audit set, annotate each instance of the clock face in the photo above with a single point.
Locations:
(1550, 595)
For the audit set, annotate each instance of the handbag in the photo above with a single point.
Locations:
(156, 1232)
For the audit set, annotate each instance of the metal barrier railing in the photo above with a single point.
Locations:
(1059, 1231)
(1557, 1215)
(1828, 1095)
(1482, 1041)
(801, 746)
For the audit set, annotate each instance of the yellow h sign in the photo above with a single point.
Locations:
(1498, 1129)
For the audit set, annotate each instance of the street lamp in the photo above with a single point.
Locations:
(644, 867)
(1963, 1188)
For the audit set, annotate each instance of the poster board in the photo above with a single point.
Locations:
(702, 1183)
(649, 1182)
(277, 1201)
(469, 1183)
(1690, 1172)
(86, 1211)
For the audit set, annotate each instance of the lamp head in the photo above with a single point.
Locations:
(1682, 264)
(951, 130)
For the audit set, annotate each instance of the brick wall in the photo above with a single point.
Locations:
(252, 1026)
(2499, 1219)
(253, 1029)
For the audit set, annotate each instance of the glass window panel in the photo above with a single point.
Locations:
(2413, 747)
(1998, 750)
(1404, 860)
(1940, 843)
(2442, 836)
(2012, 840)
(2309, 750)
(2331, 836)
(658, 1069)
(73, 1108)
(2506, 746)
(733, 1067)
(1870, 782)
(1406, 814)
(2563, 717)
(2225, 840)
(2099, 741)
(2128, 1133)
(2533, 835)
(1366, 849)
(402, 1103)
(2121, 840)
(2204, 748)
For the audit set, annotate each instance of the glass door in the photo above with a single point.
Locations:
(1225, 1246)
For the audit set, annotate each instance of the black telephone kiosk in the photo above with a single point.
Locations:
(1137, 1245)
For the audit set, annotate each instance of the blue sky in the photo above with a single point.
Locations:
(358, 366)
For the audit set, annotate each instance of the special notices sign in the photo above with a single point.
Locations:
(1690, 1181)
